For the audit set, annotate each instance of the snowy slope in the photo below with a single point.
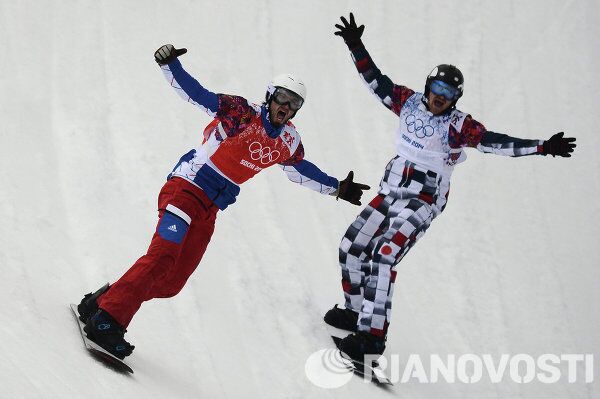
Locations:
(90, 130)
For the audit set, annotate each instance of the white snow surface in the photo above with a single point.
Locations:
(89, 130)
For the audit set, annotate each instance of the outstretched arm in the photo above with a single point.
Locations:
(391, 95)
(502, 144)
(474, 134)
(307, 174)
(184, 84)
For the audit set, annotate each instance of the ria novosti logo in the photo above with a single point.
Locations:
(328, 369)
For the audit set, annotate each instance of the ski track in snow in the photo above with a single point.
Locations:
(90, 130)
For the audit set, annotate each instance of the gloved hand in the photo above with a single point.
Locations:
(167, 53)
(558, 145)
(351, 191)
(350, 32)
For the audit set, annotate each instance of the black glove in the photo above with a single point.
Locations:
(167, 53)
(350, 32)
(558, 145)
(350, 191)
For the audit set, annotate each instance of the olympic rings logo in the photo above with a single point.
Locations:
(418, 127)
(263, 154)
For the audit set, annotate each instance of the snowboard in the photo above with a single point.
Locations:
(373, 371)
(96, 351)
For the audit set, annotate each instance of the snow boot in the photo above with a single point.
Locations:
(362, 343)
(89, 304)
(110, 335)
(345, 319)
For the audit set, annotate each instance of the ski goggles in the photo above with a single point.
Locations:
(284, 96)
(440, 88)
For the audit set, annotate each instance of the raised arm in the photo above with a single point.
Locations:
(391, 95)
(184, 84)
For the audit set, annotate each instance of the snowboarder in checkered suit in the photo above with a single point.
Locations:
(430, 140)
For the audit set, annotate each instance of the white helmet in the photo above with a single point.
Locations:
(287, 81)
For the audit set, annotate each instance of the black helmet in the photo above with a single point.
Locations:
(448, 74)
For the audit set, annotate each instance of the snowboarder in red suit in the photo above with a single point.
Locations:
(243, 139)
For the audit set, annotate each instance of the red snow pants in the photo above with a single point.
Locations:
(186, 224)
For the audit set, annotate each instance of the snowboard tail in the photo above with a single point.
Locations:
(96, 350)
(373, 371)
